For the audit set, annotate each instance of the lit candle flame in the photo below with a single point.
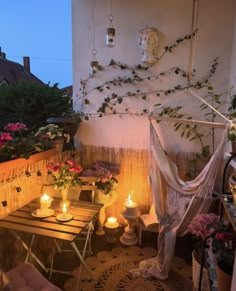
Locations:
(64, 209)
(129, 201)
(112, 222)
(45, 197)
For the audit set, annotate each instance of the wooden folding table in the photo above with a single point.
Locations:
(22, 220)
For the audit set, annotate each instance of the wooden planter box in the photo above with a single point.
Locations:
(6, 168)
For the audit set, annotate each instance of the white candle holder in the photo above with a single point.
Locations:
(130, 214)
(111, 228)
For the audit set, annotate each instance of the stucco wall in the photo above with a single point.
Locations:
(232, 83)
(173, 19)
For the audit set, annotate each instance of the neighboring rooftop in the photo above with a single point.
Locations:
(11, 72)
(67, 90)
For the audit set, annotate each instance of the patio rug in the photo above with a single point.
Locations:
(111, 270)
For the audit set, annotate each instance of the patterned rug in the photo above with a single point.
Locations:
(111, 270)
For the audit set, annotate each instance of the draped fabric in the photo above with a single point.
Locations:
(176, 202)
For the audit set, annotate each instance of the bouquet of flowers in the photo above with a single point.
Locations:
(65, 174)
(223, 238)
(204, 225)
(107, 174)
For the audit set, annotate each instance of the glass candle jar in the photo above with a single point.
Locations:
(110, 37)
(94, 67)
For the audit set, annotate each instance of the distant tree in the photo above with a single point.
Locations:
(31, 103)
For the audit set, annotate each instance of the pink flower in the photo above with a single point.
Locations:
(2, 143)
(15, 126)
(56, 168)
(203, 225)
(76, 169)
(71, 162)
(4, 136)
(224, 236)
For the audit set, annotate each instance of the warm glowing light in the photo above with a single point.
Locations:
(64, 209)
(45, 197)
(112, 222)
(130, 202)
(45, 202)
(112, 219)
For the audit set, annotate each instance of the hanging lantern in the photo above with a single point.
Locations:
(110, 37)
(94, 65)
(111, 32)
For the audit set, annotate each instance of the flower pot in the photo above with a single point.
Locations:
(223, 279)
(196, 273)
(233, 144)
(58, 144)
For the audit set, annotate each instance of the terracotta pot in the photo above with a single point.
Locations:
(223, 279)
(233, 144)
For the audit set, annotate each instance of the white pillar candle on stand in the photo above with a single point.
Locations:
(130, 214)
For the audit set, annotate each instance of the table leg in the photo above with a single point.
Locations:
(83, 263)
(29, 251)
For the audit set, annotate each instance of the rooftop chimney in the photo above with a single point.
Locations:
(2, 54)
(26, 64)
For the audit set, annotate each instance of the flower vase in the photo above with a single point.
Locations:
(223, 279)
(106, 200)
(64, 195)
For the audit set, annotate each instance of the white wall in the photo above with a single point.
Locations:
(232, 83)
(173, 19)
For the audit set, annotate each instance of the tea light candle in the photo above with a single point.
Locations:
(112, 222)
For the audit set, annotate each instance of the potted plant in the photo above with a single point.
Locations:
(231, 136)
(202, 227)
(107, 182)
(54, 135)
(223, 245)
(16, 141)
(69, 120)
